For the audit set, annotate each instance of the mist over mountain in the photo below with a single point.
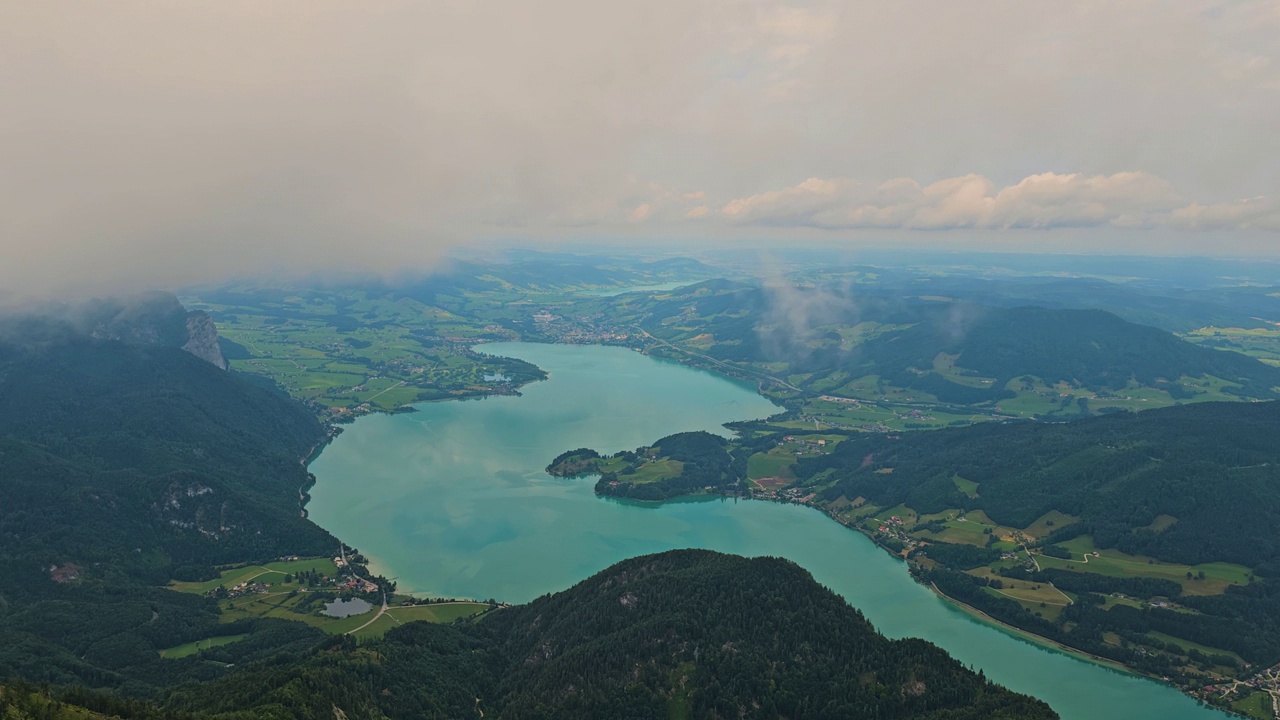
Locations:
(151, 319)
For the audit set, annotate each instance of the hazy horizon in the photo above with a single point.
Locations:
(151, 145)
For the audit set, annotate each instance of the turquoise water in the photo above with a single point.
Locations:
(610, 292)
(453, 501)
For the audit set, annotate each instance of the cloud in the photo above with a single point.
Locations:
(156, 144)
(1258, 213)
(1133, 200)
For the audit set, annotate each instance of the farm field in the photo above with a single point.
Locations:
(357, 351)
(1255, 705)
(773, 464)
(1261, 343)
(646, 472)
(1113, 563)
(294, 604)
(1047, 523)
(270, 572)
(399, 615)
(1187, 645)
(1047, 610)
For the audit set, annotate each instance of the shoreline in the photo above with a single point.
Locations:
(1031, 637)
(1040, 641)
(984, 618)
(1073, 652)
(1044, 641)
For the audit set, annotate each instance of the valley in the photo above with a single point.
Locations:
(866, 412)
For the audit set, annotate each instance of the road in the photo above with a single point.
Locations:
(343, 552)
(721, 363)
(393, 387)
(374, 619)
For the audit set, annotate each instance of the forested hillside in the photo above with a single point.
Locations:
(681, 634)
(111, 447)
(1148, 538)
(126, 462)
(915, 349)
(1214, 467)
(1090, 348)
(124, 465)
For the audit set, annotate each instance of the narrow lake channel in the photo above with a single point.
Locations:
(453, 501)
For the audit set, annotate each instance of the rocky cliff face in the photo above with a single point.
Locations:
(155, 318)
(202, 339)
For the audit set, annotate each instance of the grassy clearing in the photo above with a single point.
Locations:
(1024, 590)
(853, 513)
(655, 470)
(968, 529)
(438, 613)
(1186, 645)
(968, 487)
(1255, 705)
(963, 531)
(1260, 343)
(1033, 398)
(272, 572)
(1047, 523)
(1045, 610)
(377, 628)
(191, 648)
(945, 365)
(287, 605)
(775, 463)
(1162, 523)
(399, 615)
(1110, 601)
(1113, 563)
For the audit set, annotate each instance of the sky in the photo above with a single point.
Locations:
(156, 143)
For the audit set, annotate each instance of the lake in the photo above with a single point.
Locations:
(453, 502)
(346, 608)
(659, 287)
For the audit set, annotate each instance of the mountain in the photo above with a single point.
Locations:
(1093, 349)
(1172, 510)
(125, 462)
(153, 319)
(849, 339)
(131, 446)
(1214, 468)
(528, 271)
(685, 633)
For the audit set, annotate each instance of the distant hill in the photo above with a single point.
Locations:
(825, 337)
(545, 272)
(686, 633)
(1089, 348)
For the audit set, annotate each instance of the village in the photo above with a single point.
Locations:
(346, 579)
(1266, 681)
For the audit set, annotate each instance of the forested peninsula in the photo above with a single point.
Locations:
(1141, 538)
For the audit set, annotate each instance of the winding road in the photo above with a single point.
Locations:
(721, 363)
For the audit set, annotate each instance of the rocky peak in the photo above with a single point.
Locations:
(202, 339)
(156, 318)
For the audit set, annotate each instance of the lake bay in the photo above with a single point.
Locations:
(453, 501)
